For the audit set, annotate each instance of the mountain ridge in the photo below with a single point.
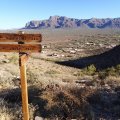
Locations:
(65, 22)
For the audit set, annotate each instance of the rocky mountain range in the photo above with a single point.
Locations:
(65, 22)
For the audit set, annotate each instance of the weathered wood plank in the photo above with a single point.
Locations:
(20, 48)
(16, 37)
(25, 108)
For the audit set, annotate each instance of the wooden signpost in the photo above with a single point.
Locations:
(26, 44)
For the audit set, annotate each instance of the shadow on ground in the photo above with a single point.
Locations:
(102, 61)
(73, 103)
(14, 96)
(105, 104)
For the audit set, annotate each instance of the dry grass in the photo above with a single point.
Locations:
(58, 91)
(7, 110)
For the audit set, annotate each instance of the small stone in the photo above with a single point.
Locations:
(38, 118)
(5, 61)
(62, 55)
(73, 51)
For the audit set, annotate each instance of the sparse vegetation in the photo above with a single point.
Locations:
(62, 91)
(90, 70)
(51, 72)
(33, 78)
(14, 59)
(113, 71)
(7, 110)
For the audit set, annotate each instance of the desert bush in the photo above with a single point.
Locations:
(5, 78)
(102, 75)
(90, 70)
(9, 111)
(118, 69)
(14, 59)
(111, 71)
(33, 78)
(79, 73)
(51, 72)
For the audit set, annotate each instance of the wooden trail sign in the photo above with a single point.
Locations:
(18, 37)
(20, 48)
(26, 43)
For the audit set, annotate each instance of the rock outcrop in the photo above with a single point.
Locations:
(65, 22)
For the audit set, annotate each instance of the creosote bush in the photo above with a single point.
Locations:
(102, 75)
(32, 77)
(113, 71)
(90, 70)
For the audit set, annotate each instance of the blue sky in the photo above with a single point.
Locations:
(15, 13)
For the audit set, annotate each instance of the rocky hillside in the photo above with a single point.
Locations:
(64, 22)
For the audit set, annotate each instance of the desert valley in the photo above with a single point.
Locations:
(76, 76)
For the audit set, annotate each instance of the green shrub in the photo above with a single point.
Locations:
(118, 69)
(90, 70)
(32, 77)
(102, 75)
(111, 71)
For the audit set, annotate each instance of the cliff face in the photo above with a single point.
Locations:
(64, 22)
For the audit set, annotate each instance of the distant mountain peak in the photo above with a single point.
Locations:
(65, 22)
(53, 17)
